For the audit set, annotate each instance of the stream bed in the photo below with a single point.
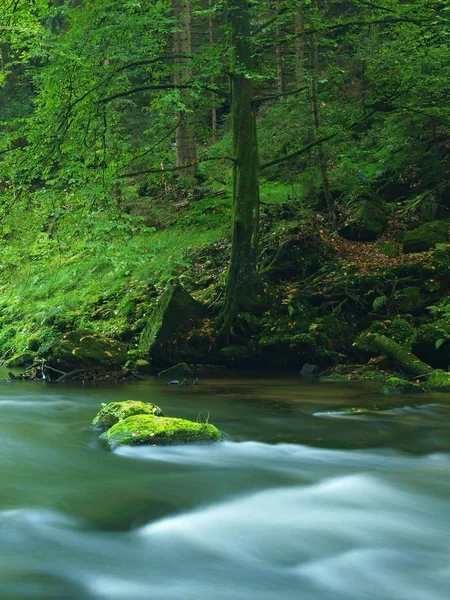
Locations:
(300, 501)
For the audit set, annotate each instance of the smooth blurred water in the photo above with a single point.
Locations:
(299, 502)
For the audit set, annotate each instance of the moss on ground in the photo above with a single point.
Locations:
(439, 381)
(396, 385)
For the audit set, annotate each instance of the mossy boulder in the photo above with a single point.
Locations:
(366, 223)
(179, 371)
(114, 412)
(20, 360)
(396, 385)
(176, 308)
(439, 381)
(83, 348)
(425, 237)
(409, 300)
(389, 250)
(156, 431)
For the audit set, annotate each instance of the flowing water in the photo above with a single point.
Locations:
(300, 501)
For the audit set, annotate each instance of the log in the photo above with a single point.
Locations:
(408, 361)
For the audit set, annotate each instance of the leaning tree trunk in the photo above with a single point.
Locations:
(182, 46)
(242, 277)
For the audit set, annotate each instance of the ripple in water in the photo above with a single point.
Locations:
(346, 525)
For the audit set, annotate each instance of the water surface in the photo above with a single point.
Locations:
(299, 501)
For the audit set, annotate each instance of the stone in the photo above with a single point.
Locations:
(308, 370)
(175, 308)
(156, 431)
(425, 237)
(83, 348)
(408, 300)
(389, 250)
(114, 412)
(366, 223)
(20, 360)
(438, 381)
(396, 385)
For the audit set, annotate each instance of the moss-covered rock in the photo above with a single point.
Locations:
(155, 431)
(439, 381)
(389, 250)
(114, 412)
(335, 378)
(179, 371)
(84, 348)
(409, 300)
(425, 237)
(20, 360)
(366, 223)
(396, 385)
(175, 308)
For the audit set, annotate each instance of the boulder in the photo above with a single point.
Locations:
(175, 308)
(396, 385)
(114, 412)
(83, 348)
(366, 223)
(179, 371)
(389, 250)
(439, 381)
(425, 237)
(309, 370)
(22, 359)
(156, 431)
(408, 300)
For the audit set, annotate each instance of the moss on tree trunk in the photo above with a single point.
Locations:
(407, 360)
(242, 273)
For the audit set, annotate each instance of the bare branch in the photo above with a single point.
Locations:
(180, 168)
(275, 96)
(298, 152)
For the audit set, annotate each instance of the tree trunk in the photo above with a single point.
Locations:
(242, 277)
(279, 54)
(213, 96)
(185, 139)
(299, 46)
(314, 49)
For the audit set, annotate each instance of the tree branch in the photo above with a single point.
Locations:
(275, 96)
(168, 86)
(179, 168)
(297, 152)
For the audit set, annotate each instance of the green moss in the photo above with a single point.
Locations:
(395, 385)
(425, 237)
(400, 354)
(20, 360)
(335, 378)
(409, 300)
(150, 430)
(175, 308)
(389, 250)
(366, 223)
(85, 348)
(114, 412)
(439, 381)
(372, 375)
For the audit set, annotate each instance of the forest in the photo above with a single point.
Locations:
(246, 184)
(224, 299)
